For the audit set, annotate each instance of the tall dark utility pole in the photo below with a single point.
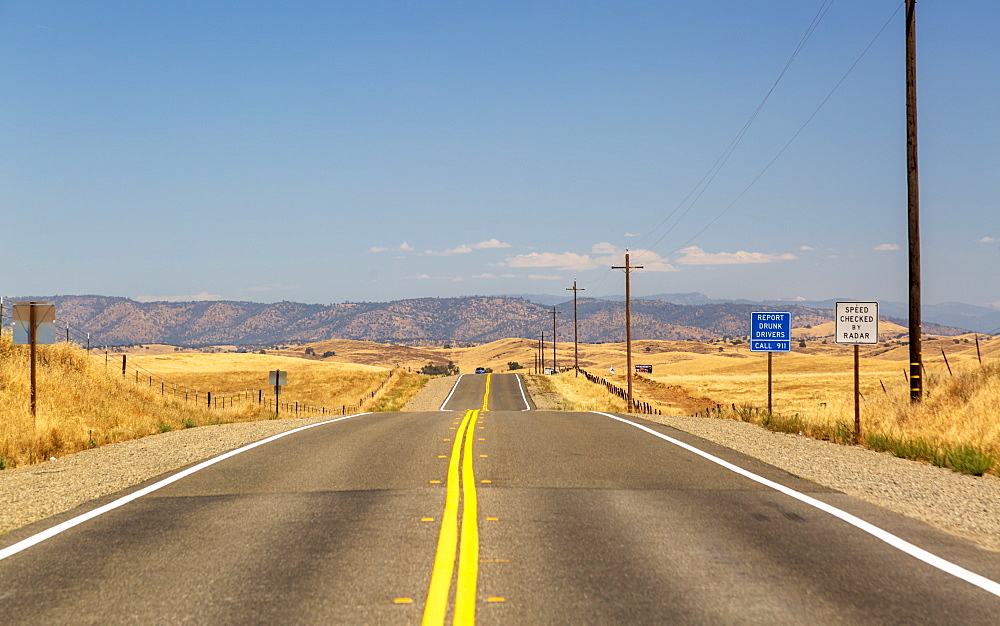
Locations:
(554, 366)
(913, 204)
(541, 353)
(628, 322)
(576, 335)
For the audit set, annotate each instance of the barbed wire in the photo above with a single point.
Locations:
(213, 398)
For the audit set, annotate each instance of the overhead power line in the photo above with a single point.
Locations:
(792, 139)
(713, 171)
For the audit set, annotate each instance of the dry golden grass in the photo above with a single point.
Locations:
(813, 388)
(318, 383)
(579, 394)
(82, 403)
(403, 387)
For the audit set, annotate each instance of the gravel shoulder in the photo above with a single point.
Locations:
(964, 505)
(968, 506)
(432, 396)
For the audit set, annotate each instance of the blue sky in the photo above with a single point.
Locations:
(344, 151)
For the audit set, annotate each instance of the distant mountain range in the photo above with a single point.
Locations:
(424, 321)
(980, 319)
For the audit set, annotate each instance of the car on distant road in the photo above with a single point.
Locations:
(480, 370)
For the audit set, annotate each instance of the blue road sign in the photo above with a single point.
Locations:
(770, 331)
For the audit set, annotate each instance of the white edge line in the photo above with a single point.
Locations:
(520, 383)
(453, 388)
(24, 544)
(900, 544)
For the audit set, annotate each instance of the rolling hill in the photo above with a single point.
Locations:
(423, 321)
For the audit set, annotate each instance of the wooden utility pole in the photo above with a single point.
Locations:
(554, 313)
(628, 322)
(576, 334)
(913, 205)
(541, 353)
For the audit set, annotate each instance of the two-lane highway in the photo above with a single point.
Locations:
(488, 392)
(487, 511)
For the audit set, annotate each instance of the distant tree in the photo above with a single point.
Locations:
(329, 353)
(310, 351)
(432, 369)
(648, 349)
(262, 352)
(513, 365)
(802, 343)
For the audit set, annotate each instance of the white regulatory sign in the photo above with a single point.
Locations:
(277, 377)
(857, 322)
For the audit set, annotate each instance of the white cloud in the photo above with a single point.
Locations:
(403, 247)
(806, 248)
(631, 234)
(197, 297)
(609, 255)
(988, 240)
(490, 243)
(604, 248)
(454, 279)
(887, 246)
(649, 260)
(466, 248)
(565, 260)
(693, 255)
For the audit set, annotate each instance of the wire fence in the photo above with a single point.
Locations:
(638, 406)
(207, 399)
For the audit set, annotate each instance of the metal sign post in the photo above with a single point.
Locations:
(278, 379)
(856, 324)
(34, 323)
(770, 331)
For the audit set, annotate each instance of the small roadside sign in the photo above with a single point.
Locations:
(44, 316)
(856, 322)
(643, 369)
(770, 331)
(277, 377)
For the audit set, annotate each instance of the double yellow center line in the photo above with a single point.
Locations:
(461, 540)
(486, 393)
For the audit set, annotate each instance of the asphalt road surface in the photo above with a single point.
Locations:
(487, 511)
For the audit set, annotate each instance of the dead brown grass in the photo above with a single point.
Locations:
(318, 383)
(82, 403)
(813, 388)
